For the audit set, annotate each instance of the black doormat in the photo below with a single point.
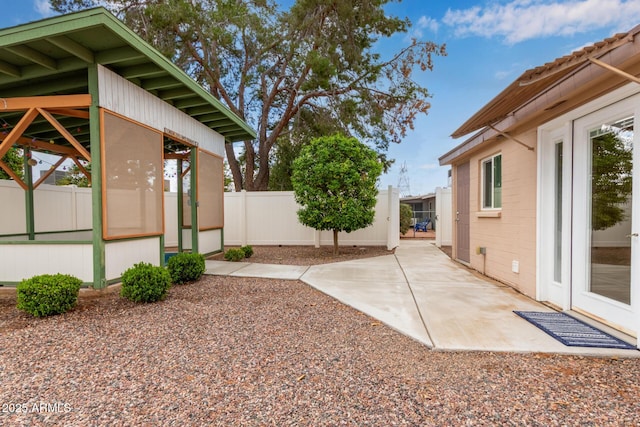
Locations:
(571, 331)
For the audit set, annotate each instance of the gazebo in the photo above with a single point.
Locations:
(83, 86)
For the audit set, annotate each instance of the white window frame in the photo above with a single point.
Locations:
(483, 204)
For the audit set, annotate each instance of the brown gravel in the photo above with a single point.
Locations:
(309, 255)
(246, 352)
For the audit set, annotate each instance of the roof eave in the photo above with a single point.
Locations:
(535, 80)
(63, 24)
(548, 101)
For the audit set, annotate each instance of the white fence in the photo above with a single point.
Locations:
(270, 218)
(444, 217)
(255, 218)
(55, 208)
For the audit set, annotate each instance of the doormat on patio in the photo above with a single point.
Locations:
(571, 331)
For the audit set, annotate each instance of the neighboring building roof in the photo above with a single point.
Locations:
(51, 57)
(416, 198)
(508, 107)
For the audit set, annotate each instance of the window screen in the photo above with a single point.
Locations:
(186, 196)
(210, 191)
(133, 179)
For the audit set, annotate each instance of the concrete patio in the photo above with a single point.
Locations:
(422, 293)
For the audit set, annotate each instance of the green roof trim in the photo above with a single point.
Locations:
(50, 57)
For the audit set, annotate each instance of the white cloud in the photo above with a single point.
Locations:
(43, 8)
(428, 23)
(424, 23)
(501, 75)
(520, 20)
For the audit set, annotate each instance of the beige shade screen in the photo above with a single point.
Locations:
(132, 179)
(210, 191)
(186, 196)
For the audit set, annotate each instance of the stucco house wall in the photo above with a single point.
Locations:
(541, 240)
(511, 236)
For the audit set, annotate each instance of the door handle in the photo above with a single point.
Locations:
(457, 215)
(632, 235)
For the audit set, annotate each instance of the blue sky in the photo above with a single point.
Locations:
(489, 43)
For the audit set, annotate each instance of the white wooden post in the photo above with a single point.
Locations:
(243, 217)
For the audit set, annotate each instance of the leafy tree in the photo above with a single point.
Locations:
(13, 159)
(611, 180)
(75, 177)
(228, 181)
(335, 182)
(283, 155)
(406, 214)
(268, 65)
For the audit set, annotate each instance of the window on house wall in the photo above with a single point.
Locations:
(492, 182)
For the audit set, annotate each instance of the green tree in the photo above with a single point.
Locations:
(335, 182)
(406, 214)
(13, 159)
(268, 64)
(285, 153)
(76, 177)
(611, 180)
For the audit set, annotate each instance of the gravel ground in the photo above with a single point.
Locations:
(241, 351)
(309, 255)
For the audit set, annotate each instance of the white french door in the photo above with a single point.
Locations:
(605, 267)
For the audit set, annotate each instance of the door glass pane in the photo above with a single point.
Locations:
(611, 191)
(557, 247)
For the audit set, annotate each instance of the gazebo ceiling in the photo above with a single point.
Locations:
(51, 57)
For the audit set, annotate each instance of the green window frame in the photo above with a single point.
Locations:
(492, 182)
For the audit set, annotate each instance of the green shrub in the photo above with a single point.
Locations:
(406, 215)
(186, 267)
(48, 294)
(145, 283)
(248, 251)
(234, 254)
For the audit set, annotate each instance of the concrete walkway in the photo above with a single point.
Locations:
(422, 293)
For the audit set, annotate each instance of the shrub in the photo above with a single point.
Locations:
(186, 267)
(48, 294)
(248, 251)
(234, 254)
(145, 283)
(406, 215)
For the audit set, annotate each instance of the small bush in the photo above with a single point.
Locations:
(234, 254)
(145, 283)
(186, 267)
(406, 214)
(48, 294)
(248, 251)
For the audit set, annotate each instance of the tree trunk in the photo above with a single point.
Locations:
(335, 242)
(236, 173)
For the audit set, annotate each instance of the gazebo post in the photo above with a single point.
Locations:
(179, 204)
(99, 263)
(194, 201)
(28, 195)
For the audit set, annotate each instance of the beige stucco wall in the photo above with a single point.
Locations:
(512, 236)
